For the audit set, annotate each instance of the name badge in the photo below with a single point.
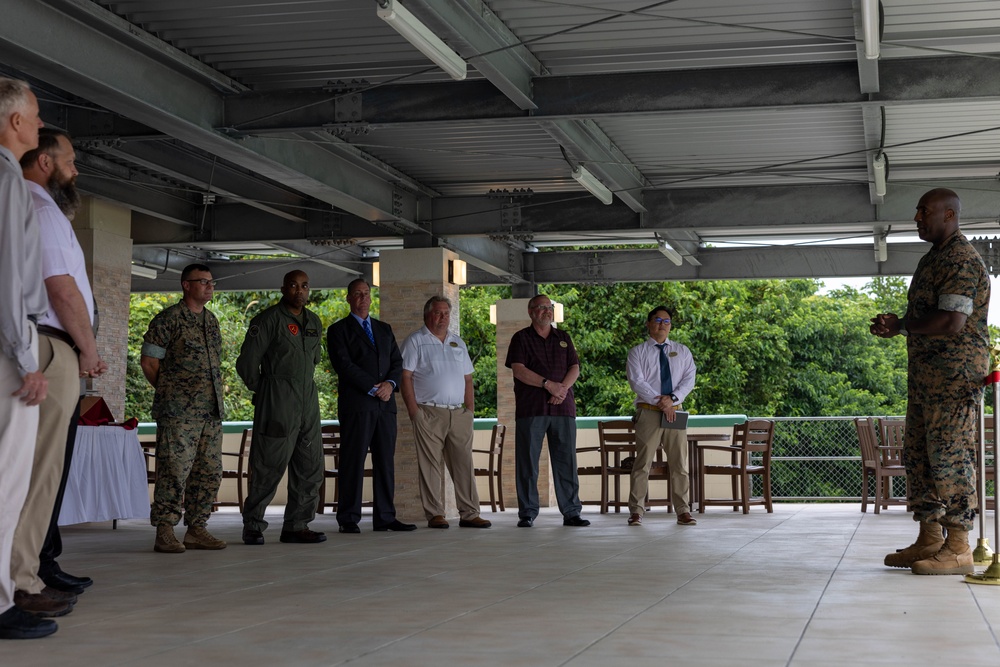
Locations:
(453, 344)
(562, 343)
(672, 354)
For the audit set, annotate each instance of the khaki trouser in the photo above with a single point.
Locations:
(61, 367)
(18, 427)
(650, 436)
(444, 437)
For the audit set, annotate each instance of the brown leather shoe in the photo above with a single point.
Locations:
(687, 520)
(59, 595)
(635, 519)
(41, 605)
(437, 521)
(478, 522)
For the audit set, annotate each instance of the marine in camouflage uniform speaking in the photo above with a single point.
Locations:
(180, 357)
(948, 350)
(277, 363)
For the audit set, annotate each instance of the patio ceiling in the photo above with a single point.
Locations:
(737, 137)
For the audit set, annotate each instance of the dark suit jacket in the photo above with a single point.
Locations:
(359, 367)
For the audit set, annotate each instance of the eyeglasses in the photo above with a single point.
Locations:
(661, 320)
(543, 307)
(204, 282)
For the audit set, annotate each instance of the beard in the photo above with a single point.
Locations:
(64, 194)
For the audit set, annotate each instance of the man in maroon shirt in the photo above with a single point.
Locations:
(545, 366)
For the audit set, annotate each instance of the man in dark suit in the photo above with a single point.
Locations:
(369, 367)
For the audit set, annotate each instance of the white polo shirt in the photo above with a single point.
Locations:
(439, 368)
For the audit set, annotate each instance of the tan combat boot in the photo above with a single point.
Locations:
(929, 542)
(955, 557)
(166, 541)
(198, 537)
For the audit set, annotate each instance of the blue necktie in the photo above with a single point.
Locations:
(666, 384)
(368, 330)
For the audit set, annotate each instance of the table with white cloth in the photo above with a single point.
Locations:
(107, 479)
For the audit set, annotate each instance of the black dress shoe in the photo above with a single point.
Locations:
(525, 523)
(18, 624)
(304, 536)
(252, 537)
(575, 521)
(349, 528)
(398, 526)
(61, 581)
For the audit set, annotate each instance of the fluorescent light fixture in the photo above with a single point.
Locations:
(881, 250)
(143, 271)
(458, 272)
(870, 26)
(493, 314)
(878, 171)
(594, 186)
(557, 312)
(668, 251)
(376, 278)
(421, 37)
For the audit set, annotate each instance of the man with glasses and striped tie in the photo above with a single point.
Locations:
(661, 373)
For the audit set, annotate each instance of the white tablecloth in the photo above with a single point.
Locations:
(107, 479)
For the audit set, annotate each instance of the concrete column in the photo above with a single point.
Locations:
(104, 231)
(512, 316)
(408, 278)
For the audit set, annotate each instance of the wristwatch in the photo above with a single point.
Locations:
(673, 397)
(544, 382)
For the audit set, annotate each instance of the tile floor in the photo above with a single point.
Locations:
(802, 586)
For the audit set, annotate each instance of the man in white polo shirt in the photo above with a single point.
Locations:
(438, 393)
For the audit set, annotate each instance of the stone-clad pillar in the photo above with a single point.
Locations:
(512, 316)
(408, 278)
(104, 232)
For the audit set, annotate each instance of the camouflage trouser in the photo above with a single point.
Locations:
(939, 451)
(188, 470)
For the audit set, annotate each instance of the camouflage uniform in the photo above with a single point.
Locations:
(945, 382)
(188, 409)
(277, 363)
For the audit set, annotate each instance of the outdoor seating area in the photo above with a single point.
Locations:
(802, 587)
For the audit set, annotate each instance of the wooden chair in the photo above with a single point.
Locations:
(148, 445)
(494, 466)
(617, 443)
(331, 455)
(237, 470)
(751, 439)
(592, 466)
(882, 462)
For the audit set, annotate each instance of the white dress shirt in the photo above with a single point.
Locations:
(643, 370)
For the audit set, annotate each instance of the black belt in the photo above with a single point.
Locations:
(52, 332)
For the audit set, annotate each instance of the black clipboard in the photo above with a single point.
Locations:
(680, 420)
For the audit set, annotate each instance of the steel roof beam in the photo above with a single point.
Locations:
(615, 266)
(909, 80)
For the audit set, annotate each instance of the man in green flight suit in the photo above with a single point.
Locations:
(277, 362)
(181, 358)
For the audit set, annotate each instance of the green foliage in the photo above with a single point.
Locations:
(480, 336)
(763, 347)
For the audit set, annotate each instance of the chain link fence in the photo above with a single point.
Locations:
(819, 458)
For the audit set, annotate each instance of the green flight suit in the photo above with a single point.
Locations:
(277, 363)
